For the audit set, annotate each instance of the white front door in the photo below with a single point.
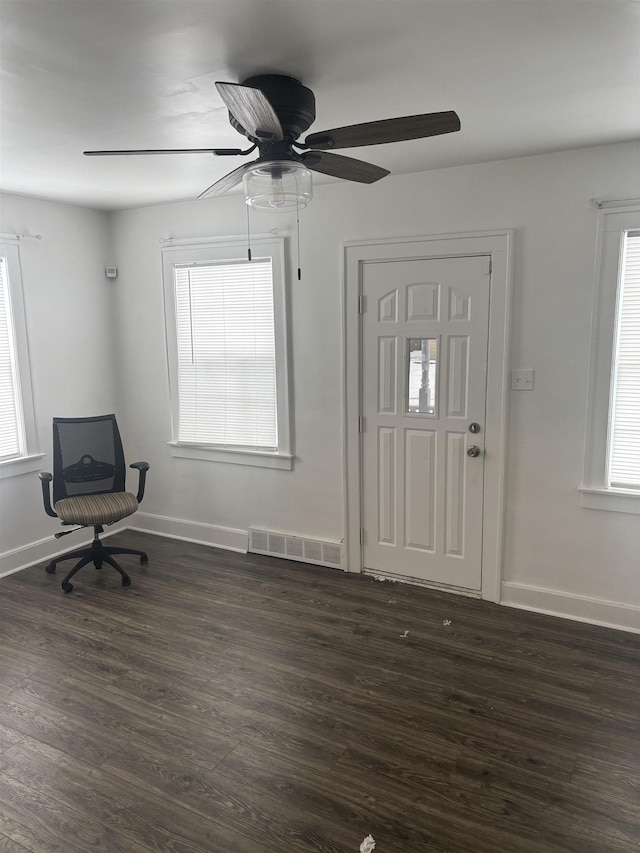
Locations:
(424, 368)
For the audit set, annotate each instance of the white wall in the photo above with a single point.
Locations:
(72, 336)
(557, 555)
(552, 545)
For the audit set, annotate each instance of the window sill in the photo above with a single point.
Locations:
(22, 465)
(614, 500)
(256, 458)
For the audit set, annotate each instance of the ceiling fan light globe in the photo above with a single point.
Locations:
(277, 185)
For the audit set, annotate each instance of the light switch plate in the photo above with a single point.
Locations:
(522, 380)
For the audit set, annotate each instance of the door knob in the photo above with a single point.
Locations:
(474, 450)
(474, 427)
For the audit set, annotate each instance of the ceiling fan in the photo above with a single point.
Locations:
(272, 111)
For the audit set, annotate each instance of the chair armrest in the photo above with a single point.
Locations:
(45, 480)
(142, 467)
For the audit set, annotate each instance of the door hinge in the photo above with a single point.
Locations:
(490, 264)
(361, 423)
(361, 304)
(362, 535)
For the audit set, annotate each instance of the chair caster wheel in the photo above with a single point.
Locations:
(50, 569)
(144, 560)
(66, 586)
(126, 581)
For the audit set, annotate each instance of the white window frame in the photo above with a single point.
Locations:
(595, 492)
(29, 459)
(218, 252)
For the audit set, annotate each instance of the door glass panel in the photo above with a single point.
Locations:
(422, 365)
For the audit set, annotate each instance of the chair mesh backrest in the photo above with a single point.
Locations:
(87, 457)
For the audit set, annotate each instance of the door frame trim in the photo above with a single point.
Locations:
(499, 245)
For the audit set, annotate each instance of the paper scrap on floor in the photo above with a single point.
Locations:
(367, 845)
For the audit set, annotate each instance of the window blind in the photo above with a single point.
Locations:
(624, 433)
(226, 354)
(11, 433)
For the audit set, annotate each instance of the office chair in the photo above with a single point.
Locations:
(89, 489)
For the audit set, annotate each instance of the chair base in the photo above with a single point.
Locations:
(98, 554)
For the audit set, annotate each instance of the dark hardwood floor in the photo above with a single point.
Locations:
(240, 704)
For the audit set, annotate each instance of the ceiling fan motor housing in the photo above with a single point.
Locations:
(293, 103)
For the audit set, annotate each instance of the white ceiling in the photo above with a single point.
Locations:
(525, 77)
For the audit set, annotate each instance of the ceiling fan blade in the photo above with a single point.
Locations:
(343, 167)
(251, 109)
(219, 152)
(386, 130)
(225, 184)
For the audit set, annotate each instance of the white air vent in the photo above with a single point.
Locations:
(331, 554)
(260, 540)
(315, 551)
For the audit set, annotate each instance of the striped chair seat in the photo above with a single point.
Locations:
(96, 509)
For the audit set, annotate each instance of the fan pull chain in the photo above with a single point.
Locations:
(298, 234)
(248, 235)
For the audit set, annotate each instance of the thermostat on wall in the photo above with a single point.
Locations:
(111, 272)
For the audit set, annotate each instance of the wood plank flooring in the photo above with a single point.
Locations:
(241, 704)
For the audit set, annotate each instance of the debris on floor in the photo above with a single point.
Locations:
(446, 622)
(367, 845)
(406, 634)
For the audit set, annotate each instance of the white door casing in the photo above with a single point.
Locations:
(496, 245)
(424, 361)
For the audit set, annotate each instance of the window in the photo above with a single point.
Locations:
(612, 464)
(227, 353)
(11, 430)
(17, 428)
(623, 454)
(422, 378)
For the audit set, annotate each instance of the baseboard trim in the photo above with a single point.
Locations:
(43, 550)
(227, 538)
(581, 608)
